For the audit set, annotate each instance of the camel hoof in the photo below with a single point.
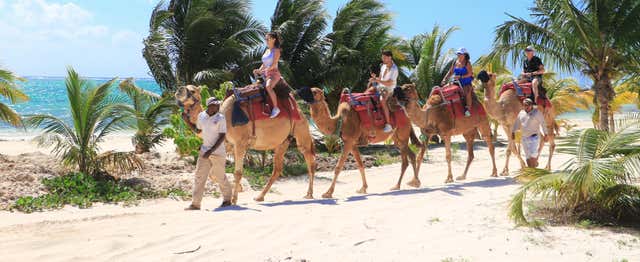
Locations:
(449, 180)
(308, 196)
(327, 195)
(548, 168)
(396, 187)
(505, 173)
(259, 198)
(414, 183)
(494, 175)
(461, 178)
(362, 190)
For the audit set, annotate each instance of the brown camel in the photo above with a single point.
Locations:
(436, 119)
(506, 109)
(351, 133)
(270, 134)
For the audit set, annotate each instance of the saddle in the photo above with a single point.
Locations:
(253, 103)
(370, 111)
(257, 91)
(453, 98)
(525, 90)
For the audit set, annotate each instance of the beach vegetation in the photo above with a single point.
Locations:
(11, 91)
(597, 37)
(598, 182)
(82, 190)
(96, 112)
(151, 112)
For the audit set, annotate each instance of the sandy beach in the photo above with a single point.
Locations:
(463, 221)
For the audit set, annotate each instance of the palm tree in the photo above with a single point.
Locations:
(10, 90)
(600, 37)
(433, 61)
(302, 24)
(360, 31)
(200, 41)
(597, 181)
(95, 113)
(565, 94)
(151, 113)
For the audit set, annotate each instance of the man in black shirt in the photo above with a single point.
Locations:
(533, 71)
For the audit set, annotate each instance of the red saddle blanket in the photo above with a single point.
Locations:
(370, 112)
(527, 92)
(257, 110)
(453, 95)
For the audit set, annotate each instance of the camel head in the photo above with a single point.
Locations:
(487, 79)
(406, 93)
(310, 95)
(188, 95)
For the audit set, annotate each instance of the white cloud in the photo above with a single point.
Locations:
(124, 37)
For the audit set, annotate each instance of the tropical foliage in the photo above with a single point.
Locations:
(151, 114)
(432, 62)
(10, 90)
(201, 41)
(598, 37)
(95, 113)
(598, 182)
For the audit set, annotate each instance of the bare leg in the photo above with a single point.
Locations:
(356, 155)
(348, 147)
(272, 94)
(385, 108)
(468, 137)
(447, 146)
(467, 92)
(278, 159)
(534, 86)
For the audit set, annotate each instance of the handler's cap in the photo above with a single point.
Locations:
(528, 101)
(530, 49)
(213, 101)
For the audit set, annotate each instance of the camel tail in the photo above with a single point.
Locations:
(414, 138)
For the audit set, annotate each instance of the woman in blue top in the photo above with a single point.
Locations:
(269, 68)
(463, 72)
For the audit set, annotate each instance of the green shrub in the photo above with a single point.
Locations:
(78, 189)
(332, 143)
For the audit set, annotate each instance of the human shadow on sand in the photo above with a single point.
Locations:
(453, 189)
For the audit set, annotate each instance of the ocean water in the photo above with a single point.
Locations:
(48, 95)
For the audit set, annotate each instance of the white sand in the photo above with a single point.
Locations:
(465, 221)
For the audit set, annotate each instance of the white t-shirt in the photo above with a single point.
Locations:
(530, 123)
(212, 127)
(392, 75)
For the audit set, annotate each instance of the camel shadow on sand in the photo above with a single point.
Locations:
(301, 202)
(452, 189)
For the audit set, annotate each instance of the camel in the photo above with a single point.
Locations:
(505, 110)
(436, 119)
(270, 134)
(351, 133)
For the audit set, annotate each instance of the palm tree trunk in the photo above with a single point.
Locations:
(604, 95)
(612, 124)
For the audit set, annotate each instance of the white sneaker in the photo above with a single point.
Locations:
(275, 112)
(387, 128)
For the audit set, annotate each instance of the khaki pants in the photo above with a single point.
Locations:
(213, 167)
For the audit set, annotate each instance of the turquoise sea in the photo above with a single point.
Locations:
(48, 95)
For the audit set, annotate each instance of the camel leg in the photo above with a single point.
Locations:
(356, 156)
(415, 182)
(469, 138)
(424, 149)
(485, 131)
(447, 146)
(306, 147)
(278, 161)
(510, 144)
(239, 152)
(346, 148)
(405, 163)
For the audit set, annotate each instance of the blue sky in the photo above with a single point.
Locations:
(104, 38)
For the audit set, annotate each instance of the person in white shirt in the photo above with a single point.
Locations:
(211, 162)
(531, 122)
(385, 84)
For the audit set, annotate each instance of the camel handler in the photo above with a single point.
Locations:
(385, 84)
(212, 124)
(533, 71)
(531, 122)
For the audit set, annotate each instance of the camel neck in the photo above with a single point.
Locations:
(416, 114)
(322, 117)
